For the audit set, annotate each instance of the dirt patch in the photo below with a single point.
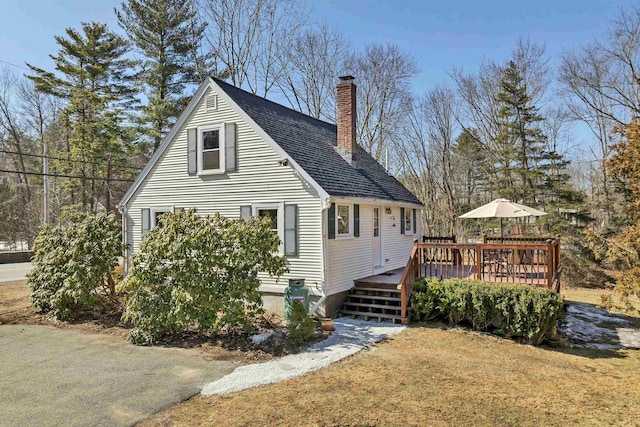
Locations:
(230, 344)
(16, 309)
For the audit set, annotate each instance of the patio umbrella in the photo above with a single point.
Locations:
(502, 208)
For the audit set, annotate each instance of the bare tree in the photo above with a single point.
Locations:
(248, 39)
(601, 82)
(314, 61)
(480, 111)
(383, 75)
(15, 137)
(429, 128)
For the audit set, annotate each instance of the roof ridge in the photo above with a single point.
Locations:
(217, 80)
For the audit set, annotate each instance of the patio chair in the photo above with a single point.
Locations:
(524, 261)
(497, 262)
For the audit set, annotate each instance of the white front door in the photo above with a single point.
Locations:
(377, 238)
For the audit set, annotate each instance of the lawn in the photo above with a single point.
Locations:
(433, 375)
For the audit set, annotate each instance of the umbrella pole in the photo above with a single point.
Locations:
(501, 234)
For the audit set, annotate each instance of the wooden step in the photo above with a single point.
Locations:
(378, 297)
(372, 315)
(362, 304)
(361, 284)
(390, 290)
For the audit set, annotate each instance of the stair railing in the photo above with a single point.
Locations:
(405, 286)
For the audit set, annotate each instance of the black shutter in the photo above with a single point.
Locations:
(192, 151)
(402, 231)
(146, 220)
(291, 230)
(230, 147)
(331, 221)
(356, 220)
(415, 223)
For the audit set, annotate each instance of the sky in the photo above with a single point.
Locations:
(440, 34)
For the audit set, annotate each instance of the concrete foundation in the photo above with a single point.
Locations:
(275, 302)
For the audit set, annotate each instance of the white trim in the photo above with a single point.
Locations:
(379, 269)
(348, 235)
(273, 205)
(202, 89)
(220, 127)
(369, 201)
(279, 289)
(156, 209)
(337, 289)
(313, 290)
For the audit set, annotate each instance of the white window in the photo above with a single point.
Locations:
(211, 149)
(408, 221)
(274, 211)
(344, 221)
(157, 212)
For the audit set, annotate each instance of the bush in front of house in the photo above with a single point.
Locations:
(518, 310)
(72, 265)
(301, 326)
(201, 273)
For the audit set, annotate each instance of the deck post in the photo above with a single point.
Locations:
(479, 259)
(551, 271)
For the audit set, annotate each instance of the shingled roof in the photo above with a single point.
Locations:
(311, 143)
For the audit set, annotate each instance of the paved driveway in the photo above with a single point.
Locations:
(56, 377)
(14, 272)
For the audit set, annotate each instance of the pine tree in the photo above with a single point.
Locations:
(167, 36)
(529, 170)
(91, 77)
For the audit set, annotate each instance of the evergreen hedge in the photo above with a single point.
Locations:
(518, 310)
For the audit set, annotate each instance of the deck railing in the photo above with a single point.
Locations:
(532, 261)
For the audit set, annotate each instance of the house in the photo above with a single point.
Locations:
(339, 214)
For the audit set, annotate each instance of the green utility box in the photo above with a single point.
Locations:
(296, 291)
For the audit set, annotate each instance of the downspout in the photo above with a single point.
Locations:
(325, 203)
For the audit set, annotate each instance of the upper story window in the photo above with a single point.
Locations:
(344, 221)
(211, 153)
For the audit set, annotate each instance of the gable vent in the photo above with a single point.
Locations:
(211, 102)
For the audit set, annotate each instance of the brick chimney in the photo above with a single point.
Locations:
(346, 102)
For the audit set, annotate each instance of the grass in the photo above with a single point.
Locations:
(431, 375)
(14, 303)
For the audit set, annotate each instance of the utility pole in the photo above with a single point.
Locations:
(45, 172)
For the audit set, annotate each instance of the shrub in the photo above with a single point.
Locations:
(72, 265)
(198, 272)
(519, 310)
(301, 326)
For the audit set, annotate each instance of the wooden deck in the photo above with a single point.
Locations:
(531, 261)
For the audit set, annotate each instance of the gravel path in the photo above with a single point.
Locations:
(350, 336)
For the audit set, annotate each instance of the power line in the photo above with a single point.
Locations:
(55, 175)
(15, 65)
(67, 160)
